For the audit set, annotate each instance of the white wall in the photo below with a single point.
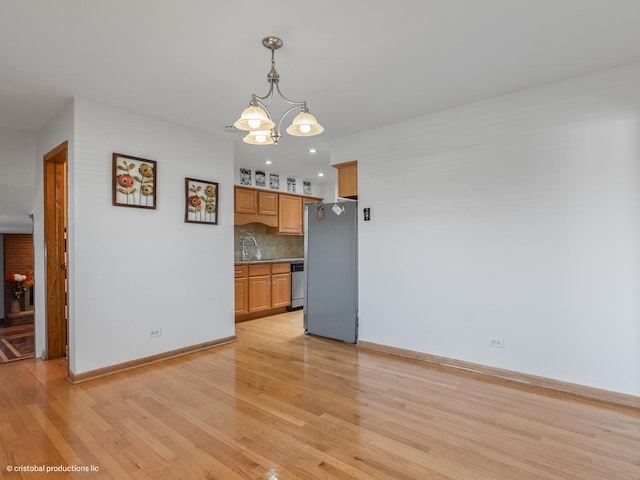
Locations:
(133, 270)
(517, 219)
(17, 180)
(329, 191)
(57, 131)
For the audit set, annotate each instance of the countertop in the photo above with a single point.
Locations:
(269, 260)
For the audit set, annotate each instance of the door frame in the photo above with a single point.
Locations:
(55, 187)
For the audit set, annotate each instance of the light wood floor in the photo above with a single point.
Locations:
(281, 405)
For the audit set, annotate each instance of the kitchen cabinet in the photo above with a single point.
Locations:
(290, 216)
(267, 203)
(242, 289)
(282, 212)
(281, 284)
(347, 179)
(259, 287)
(259, 293)
(246, 200)
(262, 289)
(254, 205)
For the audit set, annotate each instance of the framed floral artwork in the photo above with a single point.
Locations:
(134, 181)
(201, 198)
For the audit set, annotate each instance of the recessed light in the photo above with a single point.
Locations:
(320, 174)
(312, 150)
(268, 162)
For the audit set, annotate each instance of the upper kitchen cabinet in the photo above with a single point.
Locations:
(282, 211)
(253, 205)
(291, 213)
(267, 203)
(290, 216)
(246, 200)
(347, 179)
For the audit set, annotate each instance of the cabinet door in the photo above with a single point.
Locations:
(246, 201)
(242, 296)
(290, 214)
(259, 293)
(281, 291)
(267, 203)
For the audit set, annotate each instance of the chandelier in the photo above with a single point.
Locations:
(257, 119)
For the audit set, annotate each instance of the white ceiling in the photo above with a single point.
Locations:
(359, 64)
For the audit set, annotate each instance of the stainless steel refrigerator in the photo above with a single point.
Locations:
(331, 270)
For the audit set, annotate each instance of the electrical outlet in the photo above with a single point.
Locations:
(496, 342)
(155, 332)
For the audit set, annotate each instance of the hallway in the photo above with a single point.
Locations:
(16, 342)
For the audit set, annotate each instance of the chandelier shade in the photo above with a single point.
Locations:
(259, 137)
(305, 125)
(254, 118)
(258, 120)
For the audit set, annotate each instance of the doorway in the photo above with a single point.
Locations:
(55, 236)
(17, 315)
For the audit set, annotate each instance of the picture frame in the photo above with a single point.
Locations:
(245, 176)
(201, 201)
(274, 181)
(134, 182)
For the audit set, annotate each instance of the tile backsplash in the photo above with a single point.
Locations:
(271, 246)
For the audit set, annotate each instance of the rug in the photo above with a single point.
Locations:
(16, 345)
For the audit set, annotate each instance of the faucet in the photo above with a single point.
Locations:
(245, 254)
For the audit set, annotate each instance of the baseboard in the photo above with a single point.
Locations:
(120, 367)
(264, 313)
(590, 393)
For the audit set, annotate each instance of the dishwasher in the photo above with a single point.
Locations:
(297, 285)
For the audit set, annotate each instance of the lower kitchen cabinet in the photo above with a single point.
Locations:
(259, 293)
(242, 290)
(281, 283)
(259, 287)
(264, 289)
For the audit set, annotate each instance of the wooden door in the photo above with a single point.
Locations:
(55, 234)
